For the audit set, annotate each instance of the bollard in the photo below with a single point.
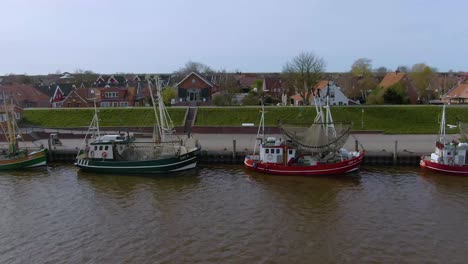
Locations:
(49, 153)
(395, 151)
(233, 149)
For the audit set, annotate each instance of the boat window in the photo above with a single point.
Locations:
(95, 147)
(267, 151)
(100, 147)
(290, 152)
(106, 148)
(278, 151)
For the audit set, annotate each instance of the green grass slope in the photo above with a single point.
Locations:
(108, 117)
(390, 119)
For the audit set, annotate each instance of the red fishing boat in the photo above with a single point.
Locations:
(449, 157)
(306, 150)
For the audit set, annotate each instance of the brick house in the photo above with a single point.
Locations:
(393, 78)
(115, 97)
(194, 89)
(457, 95)
(78, 98)
(25, 95)
(275, 87)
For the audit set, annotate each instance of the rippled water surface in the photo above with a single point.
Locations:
(225, 214)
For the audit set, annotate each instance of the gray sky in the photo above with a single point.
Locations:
(39, 36)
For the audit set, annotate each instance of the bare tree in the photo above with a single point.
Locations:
(197, 67)
(303, 72)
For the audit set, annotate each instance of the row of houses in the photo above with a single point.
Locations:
(192, 89)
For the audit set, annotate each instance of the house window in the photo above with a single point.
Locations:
(123, 104)
(78, 104)
(68, 104)
(105, 104)
(115, 104)
(193, 80)
(111, 94)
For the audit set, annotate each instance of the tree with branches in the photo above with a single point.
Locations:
(192, 66)
(303, 72)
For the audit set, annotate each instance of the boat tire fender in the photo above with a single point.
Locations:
(269, 156)
(104, 154)
(254, 165)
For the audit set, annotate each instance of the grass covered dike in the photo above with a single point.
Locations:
(407, 119)
(108, 117)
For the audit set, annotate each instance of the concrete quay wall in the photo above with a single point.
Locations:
(231, 148)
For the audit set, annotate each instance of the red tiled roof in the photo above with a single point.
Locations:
(391, 78)
(460, 91)
(24, 93)
(321, 85)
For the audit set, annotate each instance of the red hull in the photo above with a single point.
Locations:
(319, 169)
(442, 168)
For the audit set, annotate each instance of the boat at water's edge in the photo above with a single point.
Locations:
(448, 157)
(122, 154)
(342, 167)
(30, 160)
(307, 150)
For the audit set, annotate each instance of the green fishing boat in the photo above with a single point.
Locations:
(12, 157)
(122, 153)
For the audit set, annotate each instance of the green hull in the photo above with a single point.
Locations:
(158, 166)
(20, 162)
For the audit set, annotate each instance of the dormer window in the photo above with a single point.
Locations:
(193, 80)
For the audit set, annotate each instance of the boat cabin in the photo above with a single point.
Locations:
(275, 150)
(451, 153)
(107, 147)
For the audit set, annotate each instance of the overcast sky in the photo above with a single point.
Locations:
(43, 36)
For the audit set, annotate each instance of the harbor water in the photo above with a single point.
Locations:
(225, 214)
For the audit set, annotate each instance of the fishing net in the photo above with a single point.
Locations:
(318, 137)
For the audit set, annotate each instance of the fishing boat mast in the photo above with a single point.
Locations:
(442, 127)
(163, 125)
(261, 128)
(10, 134)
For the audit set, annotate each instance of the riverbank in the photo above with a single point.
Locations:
(231, 148)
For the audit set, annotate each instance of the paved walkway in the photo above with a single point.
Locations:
(245, 142)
